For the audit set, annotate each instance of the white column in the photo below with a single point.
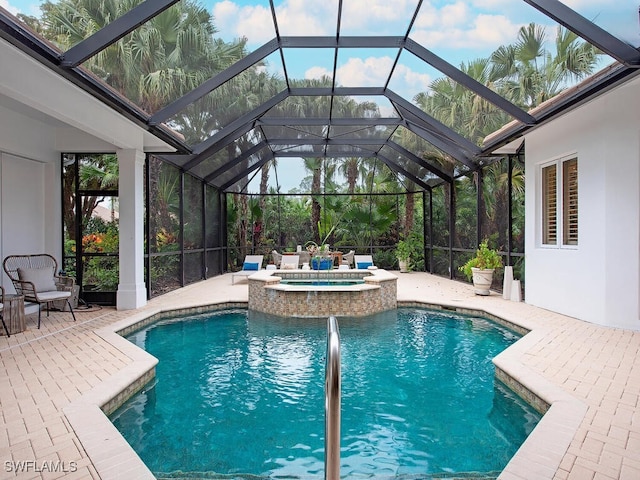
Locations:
(131, 289)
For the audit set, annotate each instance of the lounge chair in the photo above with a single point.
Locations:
(35, 277)
(363, 261)
(252, 263)
(289, 262)
(1, 308)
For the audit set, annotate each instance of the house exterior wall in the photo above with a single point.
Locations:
(598, 281)
(29, 179)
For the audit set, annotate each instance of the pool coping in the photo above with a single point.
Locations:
(540, 455)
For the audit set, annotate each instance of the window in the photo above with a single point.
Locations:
(560, 200)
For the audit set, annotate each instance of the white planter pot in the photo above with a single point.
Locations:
(404, 266)
(482, 280)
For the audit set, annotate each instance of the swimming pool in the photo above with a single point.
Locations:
(242, 394)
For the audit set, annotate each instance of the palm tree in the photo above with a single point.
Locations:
(525, 73)
(158, 62)
(529, 74)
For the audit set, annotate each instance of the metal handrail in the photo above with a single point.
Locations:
(332, 403)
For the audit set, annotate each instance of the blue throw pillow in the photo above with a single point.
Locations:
(250, 266)
(364, 265)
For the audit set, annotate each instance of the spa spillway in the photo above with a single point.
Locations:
(319, 293)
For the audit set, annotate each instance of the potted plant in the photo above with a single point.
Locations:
(403, 254)
(320, 257)
(408, 251)
(481, 267)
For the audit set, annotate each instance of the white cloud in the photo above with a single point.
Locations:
(357, 72)
(373, 72)
(300, 17)
(295, 17)
(315, 73)
(233, 21)
(368, 72)
(486, 31)
(382, 16)
(4, 4)
(416, 81)
(225, 11)
(491, 4)
(455, 14)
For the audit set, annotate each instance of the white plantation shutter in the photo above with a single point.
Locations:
(549, 205)
(570, 202)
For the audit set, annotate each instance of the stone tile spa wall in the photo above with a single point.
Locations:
(377, 294)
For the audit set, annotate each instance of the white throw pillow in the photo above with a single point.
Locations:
(42, 278)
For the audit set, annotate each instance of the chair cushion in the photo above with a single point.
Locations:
(364, 265)
(288, 266)
(250, 266)
(42, 278)
(53, 295)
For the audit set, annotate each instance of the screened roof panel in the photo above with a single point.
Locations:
(288, 149)
(234, 151)
(301, 75)
(235, 171)
(361, 131)
(352, 150)
(303, 106)
(620, 18)
(293, 131)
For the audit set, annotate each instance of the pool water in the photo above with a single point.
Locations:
(323, 282)
(239, 395)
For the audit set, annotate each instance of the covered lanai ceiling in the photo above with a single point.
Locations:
(339, 79)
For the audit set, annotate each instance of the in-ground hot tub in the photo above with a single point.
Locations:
(320, 293)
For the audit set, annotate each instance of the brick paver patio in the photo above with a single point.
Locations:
(53, 381)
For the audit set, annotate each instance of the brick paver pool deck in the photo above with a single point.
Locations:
(53, 382)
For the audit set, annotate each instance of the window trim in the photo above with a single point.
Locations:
(560, 165)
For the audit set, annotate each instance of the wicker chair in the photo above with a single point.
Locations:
(277, 258)
(1, 308)
(347, 258)
(35, 277)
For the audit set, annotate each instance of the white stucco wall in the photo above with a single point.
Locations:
(597, 281)
(29, 179)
